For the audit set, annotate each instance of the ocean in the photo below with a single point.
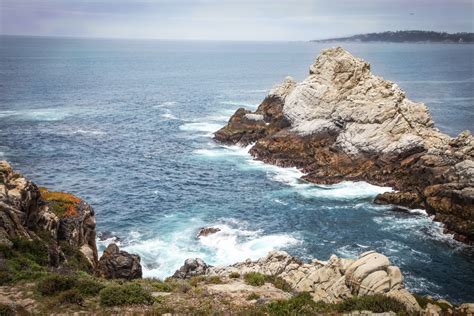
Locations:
(127, 125)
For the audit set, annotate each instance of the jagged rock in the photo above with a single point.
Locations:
(344, 123)
(119, 264)
(407, 199)
(192, 267)
(27, 209)
(205, 231)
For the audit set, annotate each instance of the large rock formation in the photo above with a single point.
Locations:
(27, 211)
(344, 123)
(330, 281)
(119, 264)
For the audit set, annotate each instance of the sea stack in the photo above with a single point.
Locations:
(344, 123)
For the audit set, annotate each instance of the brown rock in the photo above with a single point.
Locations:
(205, 231)
(119, 264)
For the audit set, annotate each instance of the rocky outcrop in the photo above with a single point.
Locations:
(27, 211)
(192, 267)
(329, 281)
(205, 231)
(344, 123)
(119, 264)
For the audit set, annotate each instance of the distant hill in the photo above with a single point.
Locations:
(406, 37)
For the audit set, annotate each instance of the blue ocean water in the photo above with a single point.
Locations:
(127, 126)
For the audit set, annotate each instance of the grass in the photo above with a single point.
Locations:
(234, 275)
(126, 294)
(253, 296)
(255, 278)
(6, 310)
(75, 258)
(71, 296)
(62, 204)
(423, 302)
(25, 260)
(54, 284)
(375, 303)
(259, 279)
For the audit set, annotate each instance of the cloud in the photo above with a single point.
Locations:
(229, 19)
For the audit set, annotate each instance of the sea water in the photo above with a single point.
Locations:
(127, 125)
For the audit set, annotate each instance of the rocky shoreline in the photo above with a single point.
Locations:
(342, 123)
(49, 262)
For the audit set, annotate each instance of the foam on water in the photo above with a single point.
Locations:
(292, 176)
(248, 105)
(169, 116)
(161, 256)
(165, 104)
(200, 127)
(52, 114)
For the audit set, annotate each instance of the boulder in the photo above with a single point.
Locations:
(192, 267)
(119, 264)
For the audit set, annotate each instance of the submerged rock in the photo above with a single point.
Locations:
(344, 123)
(205, 231)
(119, 264)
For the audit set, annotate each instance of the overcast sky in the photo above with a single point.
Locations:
(230, 19)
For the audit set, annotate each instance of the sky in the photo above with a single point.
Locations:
(272, 20)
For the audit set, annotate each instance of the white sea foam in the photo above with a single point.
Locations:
(165, 104)
(292, 176)
(249, 105)
(169, 116)
(50, 114)
(201, 127)
(233, 243)
(89, 132)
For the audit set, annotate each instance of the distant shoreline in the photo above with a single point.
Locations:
(415, 37)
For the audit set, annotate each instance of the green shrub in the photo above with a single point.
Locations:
(255, 278)
(214, 280)
(279, 283)
(300, 304)
(195, 280)
(253, 296)
(71, 296)
(6, 310)
(160, 286)
(34, 250)
(234, 275)
(376, 303)
(54, 284)
(75, 258)
(5, 277)
(423, 302)
(88, 286)
(126, 294)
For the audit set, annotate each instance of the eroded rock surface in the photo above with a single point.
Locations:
(26, 210)
(344, 123)
(329, 281)
(119, 264)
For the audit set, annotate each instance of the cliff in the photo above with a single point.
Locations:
(59, 221)
(344, 123)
